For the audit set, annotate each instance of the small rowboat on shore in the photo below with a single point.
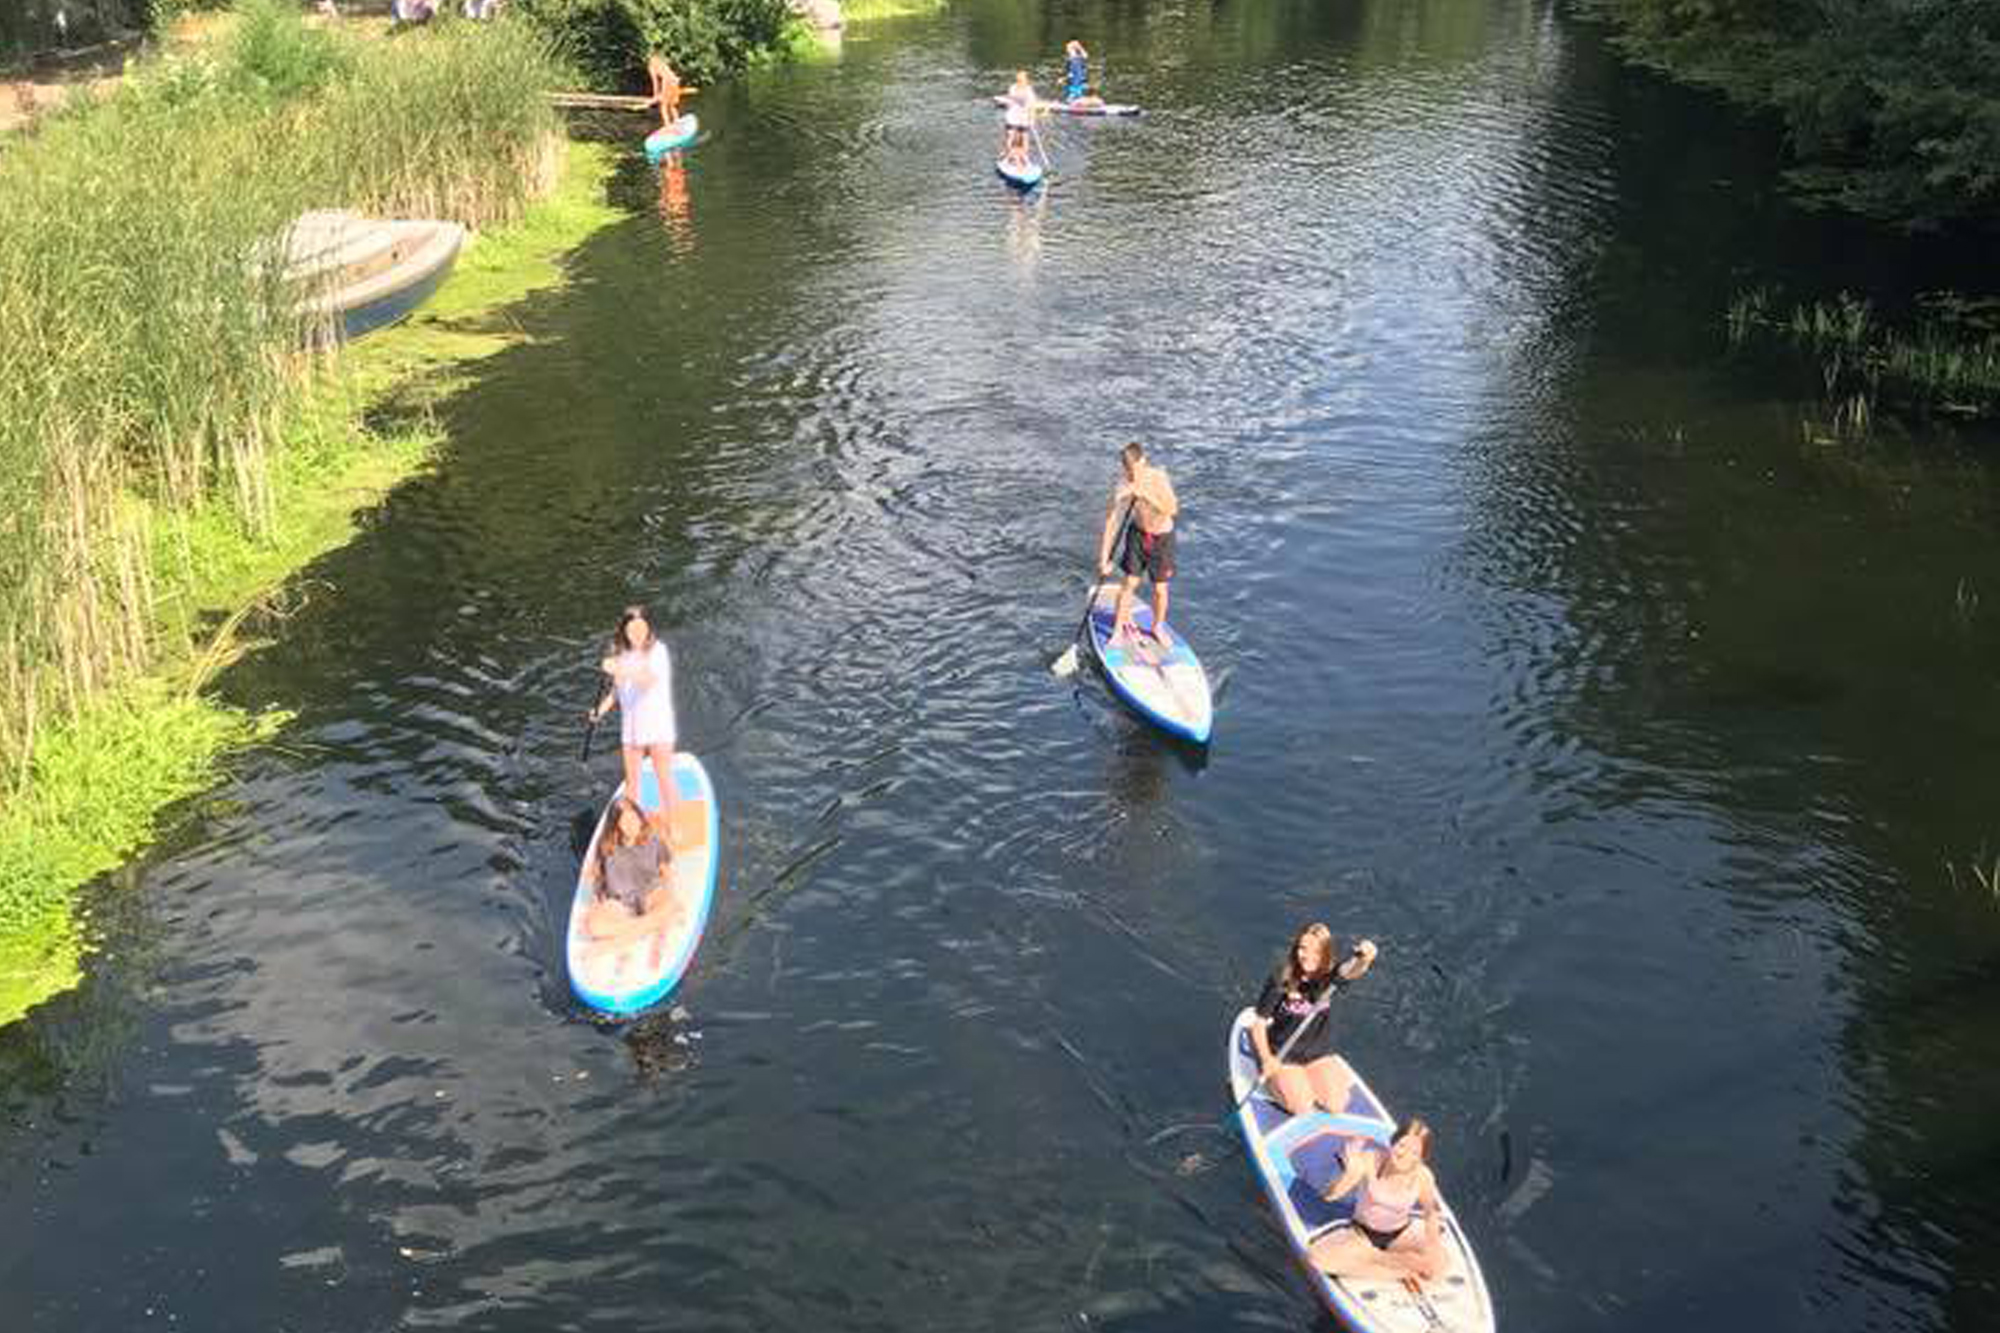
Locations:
(1297, 1157)
(360, 274)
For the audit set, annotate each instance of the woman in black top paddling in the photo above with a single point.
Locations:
(1310, 1075)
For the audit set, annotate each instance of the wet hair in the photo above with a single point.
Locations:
(1133, 452)
(1419, 1127)
(626, 617)
(1289, 973)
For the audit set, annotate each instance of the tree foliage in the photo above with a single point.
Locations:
(608, 39)
(1892, 107)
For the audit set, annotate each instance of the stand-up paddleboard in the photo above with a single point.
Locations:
(1297, 1157)
(667, 138)
(1083, 108)
(1021, 178)
(622, 978)
(1166, 686)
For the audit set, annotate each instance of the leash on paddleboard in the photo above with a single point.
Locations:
(1065, 663)
(1415, 1287)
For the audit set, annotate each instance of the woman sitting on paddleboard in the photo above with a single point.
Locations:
(1387, 1240)
(1019, 116)
(642, 685)
(632, 876)
(1297, 995)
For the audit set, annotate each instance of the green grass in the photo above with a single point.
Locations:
(101, 773)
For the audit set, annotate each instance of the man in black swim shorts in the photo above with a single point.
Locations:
(1149, 539)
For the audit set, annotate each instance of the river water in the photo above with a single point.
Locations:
(1652, 738)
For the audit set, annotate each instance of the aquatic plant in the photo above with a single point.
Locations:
(1950, 362)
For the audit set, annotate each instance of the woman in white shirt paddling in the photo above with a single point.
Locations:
(642, 685)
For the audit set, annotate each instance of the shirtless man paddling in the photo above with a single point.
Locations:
(1149, 539)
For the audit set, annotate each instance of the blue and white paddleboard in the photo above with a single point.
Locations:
(1165, 686)
(667, 138)
(1021, 178)
(1297, 1157)
(621, 978)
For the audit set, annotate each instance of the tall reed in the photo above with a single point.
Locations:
(149, 345)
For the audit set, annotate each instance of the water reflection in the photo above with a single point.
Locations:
(675, 207)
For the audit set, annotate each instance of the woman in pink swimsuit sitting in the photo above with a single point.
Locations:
(1388, 1240)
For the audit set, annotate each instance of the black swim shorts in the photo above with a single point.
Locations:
(1148, 555)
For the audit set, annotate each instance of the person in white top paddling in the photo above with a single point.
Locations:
(1149, 539)
(1019, 115)
(642, 685)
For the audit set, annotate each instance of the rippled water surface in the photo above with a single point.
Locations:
(1654, 742)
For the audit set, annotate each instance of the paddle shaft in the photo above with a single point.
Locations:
(1318, 1011)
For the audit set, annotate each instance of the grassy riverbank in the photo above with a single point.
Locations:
(167, 455)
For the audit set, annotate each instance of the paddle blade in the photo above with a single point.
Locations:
(1065, 663)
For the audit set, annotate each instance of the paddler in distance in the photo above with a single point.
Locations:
(1076, 77)
(1018, 116)
(666, 88)
(1147, 492)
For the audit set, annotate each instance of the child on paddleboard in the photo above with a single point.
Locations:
(666, 88)
(1076, 72)
(1294, 1055)
(642, 686)
(632, 874)
(1019, 116)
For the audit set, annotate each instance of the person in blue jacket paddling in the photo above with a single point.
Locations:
(1076, 71)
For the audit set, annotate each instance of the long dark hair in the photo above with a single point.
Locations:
(1291, 976)
(626, 617)
(614, 837)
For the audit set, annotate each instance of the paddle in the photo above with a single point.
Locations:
(1065, 663)
(1313, 1015)
(589, 735)
(1040, 147)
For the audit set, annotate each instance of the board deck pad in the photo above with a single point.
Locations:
(1167, 686)
(670, 137)
(621, 978)
(1297, 1157)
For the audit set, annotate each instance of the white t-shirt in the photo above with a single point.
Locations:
(646, 712)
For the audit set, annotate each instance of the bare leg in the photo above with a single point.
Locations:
(1348, 1253)
(1292, 1089)
(1416, 1256)
(1121, 615)
(1332, 1081)
(663, 770)
(631, 755)
(1160, 612)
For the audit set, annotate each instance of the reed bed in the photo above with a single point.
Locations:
(1950, 361)
(150, 353)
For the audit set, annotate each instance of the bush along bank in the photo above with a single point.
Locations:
(167, 453)
(608, 40)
